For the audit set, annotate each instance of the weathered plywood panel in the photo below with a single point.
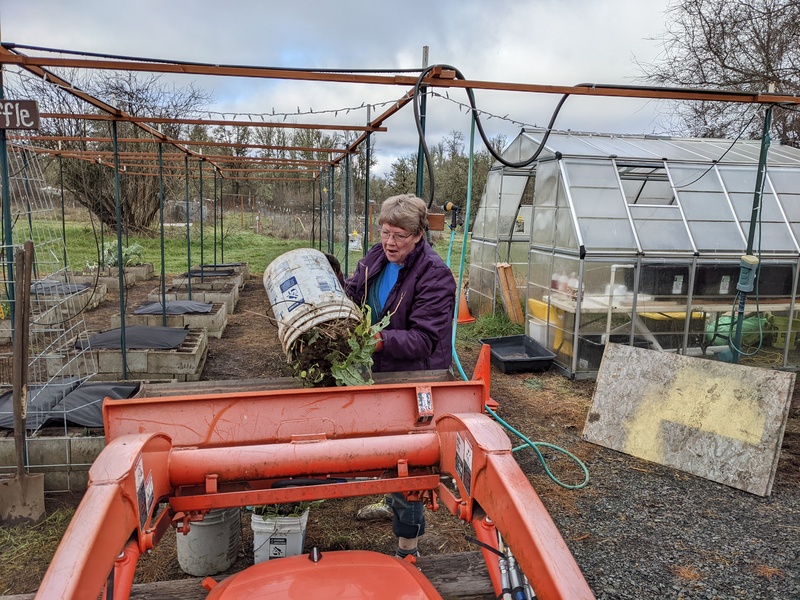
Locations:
(720, 421)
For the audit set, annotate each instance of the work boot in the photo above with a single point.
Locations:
(375, 512)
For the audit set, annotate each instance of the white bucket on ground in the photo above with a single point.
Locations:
(211, 545)
(276, 537)
(304, 292)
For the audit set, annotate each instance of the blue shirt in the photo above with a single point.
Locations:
(379, 293)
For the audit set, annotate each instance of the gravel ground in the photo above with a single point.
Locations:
(640, 530)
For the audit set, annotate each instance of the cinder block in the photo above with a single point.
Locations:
(48, 451)
(8, 455)
(83, 450)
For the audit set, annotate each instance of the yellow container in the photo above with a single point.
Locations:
(782, 333)
(542, 311)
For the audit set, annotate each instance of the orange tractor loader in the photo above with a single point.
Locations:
(170, 460)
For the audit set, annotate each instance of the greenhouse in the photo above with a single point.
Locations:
(638, 240)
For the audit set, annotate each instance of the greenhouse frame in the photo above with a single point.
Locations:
(638, 240)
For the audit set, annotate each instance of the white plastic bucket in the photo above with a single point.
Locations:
(211, 545)
(304, 292)
(276, 537)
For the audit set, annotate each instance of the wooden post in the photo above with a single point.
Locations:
(508, 287)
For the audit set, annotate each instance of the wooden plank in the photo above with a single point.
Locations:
(153, 390)
(508, 288)
(460, 576)
(721, 421)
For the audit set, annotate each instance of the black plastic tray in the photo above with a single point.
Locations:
(519, 354)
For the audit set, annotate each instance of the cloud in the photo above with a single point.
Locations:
(535, 41)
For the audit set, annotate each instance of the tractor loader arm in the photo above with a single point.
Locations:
(477, 453)
(192, 454)
(124, 484)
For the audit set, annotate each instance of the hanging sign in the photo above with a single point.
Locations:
(19, 114)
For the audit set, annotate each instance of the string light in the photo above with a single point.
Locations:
(224, 115)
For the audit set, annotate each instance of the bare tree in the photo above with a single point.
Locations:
(738, 45)
(92, 183)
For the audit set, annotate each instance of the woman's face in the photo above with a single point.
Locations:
(397, 243)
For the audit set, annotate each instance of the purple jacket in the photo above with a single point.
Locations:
(419, 334)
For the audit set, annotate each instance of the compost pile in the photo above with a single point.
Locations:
(314, 353)
(337, 352)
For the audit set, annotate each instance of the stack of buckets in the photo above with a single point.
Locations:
(304, 292)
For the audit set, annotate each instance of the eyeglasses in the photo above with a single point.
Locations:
(398, 237)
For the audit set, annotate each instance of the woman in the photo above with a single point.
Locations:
(404, 277)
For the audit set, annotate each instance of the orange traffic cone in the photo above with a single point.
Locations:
(463, 310)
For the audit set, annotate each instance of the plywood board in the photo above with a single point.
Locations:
(717, 420)
(508, 289)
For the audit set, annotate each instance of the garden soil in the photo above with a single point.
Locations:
(637, 530)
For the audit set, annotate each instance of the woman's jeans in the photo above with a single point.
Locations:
(409, 517)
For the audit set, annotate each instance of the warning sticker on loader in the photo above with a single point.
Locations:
(464, 462)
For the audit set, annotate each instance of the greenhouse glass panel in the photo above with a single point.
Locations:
(543, 226)
(717, 236)
(661, 213)
(518, 255)
(694, 178)
(566, 144)
(784, 180)
(562, 201)
(618, 146)
(521, 149)
(607, 234)
(705, 206)
(605, 311)
(547, 183)
(598, 202)
(738, 179)
(479, 226)
(511, 190)
(490, 224)
(492, 191)
(743, 205)
(772, 237)
(674, 149)
(522, 227)
(584, 173)
(667, 236)
(476, 252)
(565, 236)
(648, 192)
(791, 206)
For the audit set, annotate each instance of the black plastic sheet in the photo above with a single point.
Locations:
(137, 337)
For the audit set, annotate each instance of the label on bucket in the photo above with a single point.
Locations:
(324, 285)
(291, 291)
(277, 547)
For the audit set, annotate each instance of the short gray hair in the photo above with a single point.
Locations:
(405, 211)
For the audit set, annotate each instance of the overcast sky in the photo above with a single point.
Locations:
(560, 42)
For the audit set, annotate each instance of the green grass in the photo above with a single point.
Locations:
(239, 246)
(488, 326)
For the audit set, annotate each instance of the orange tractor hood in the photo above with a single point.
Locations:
(331, 576)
